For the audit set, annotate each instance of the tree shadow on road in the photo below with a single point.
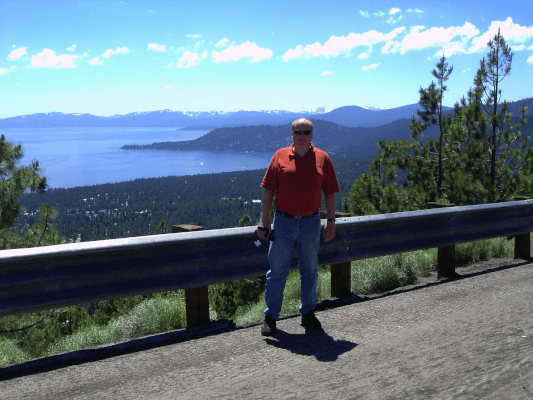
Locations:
(313, 343)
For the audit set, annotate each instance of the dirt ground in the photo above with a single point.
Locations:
(464, 338)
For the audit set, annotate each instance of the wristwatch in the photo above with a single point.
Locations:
(331, 219)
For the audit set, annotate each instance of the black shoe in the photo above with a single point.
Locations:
(269, 326)
(310, 321)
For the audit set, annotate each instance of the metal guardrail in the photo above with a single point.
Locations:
(77, 273)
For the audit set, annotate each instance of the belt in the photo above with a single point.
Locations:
(286, 214)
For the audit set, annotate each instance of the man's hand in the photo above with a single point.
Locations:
(261, 233)
(329, 231)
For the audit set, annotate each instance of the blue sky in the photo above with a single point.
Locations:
(117, 57)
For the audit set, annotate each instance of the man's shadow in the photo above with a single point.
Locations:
(313, 343)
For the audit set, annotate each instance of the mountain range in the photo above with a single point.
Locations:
(351, 116)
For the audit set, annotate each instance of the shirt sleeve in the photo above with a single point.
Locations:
(330, 185)
(270, 180)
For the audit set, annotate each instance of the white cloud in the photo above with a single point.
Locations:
(416, 11)
(71, 48)
(393, 11)
(188, 59)
(170, 86)
(465, 39)
(48, 59)
(223, 42)
(379, 14)
(530, 60)
(392, 21)
(151, 12)
(119, 50)
(3, 71)
(364, 14)
(451, 40)
(343, 44)
(95, 61)
(17, 53)
(513, 34)
(326, 73)
(249, 50)
(156, 47)
(195, 36)
(373, 66)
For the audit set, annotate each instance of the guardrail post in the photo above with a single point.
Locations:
(522, 246)
(522, 243)
(341, 274)
(446, 254)
(196, 299)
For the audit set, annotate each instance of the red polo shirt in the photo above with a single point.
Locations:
(298, 182)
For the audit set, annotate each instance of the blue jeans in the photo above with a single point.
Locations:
(305, 233)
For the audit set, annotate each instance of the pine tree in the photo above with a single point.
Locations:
(15, 182)
(431, 99)
(506, 145)
(481, 155)
(418, 162)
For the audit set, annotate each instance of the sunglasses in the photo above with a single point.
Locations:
(297, 132)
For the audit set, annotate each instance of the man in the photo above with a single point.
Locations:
(297, 176)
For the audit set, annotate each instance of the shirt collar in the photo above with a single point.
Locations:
(293, 152)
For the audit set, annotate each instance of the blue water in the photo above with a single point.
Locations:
(89, 156)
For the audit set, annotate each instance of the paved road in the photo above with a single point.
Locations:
(468, 338)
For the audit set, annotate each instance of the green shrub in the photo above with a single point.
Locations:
(11, 353)
(226, 299)
(84, 338)
(108, 310)
(483, 250)
(381, 274)
(155, 315)
(163, 312)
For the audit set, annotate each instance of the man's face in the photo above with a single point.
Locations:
(302, 141)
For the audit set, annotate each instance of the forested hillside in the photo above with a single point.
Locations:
(137, 207)
(328, 136)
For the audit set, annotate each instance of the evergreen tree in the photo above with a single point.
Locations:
(506, 160)
(376, 191)
(481, 155)
(431, 100)
(15, 182)
(161, 228)
(245, 220)
(419, 163)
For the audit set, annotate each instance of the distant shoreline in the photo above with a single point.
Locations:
(197, 128)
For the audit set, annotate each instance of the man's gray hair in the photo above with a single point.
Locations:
(302, 121)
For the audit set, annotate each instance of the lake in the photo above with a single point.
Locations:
(90, 156)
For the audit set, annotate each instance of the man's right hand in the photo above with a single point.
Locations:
(262, 230)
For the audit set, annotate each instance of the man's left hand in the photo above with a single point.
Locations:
(329, 231)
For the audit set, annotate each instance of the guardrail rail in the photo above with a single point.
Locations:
(61, 275)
